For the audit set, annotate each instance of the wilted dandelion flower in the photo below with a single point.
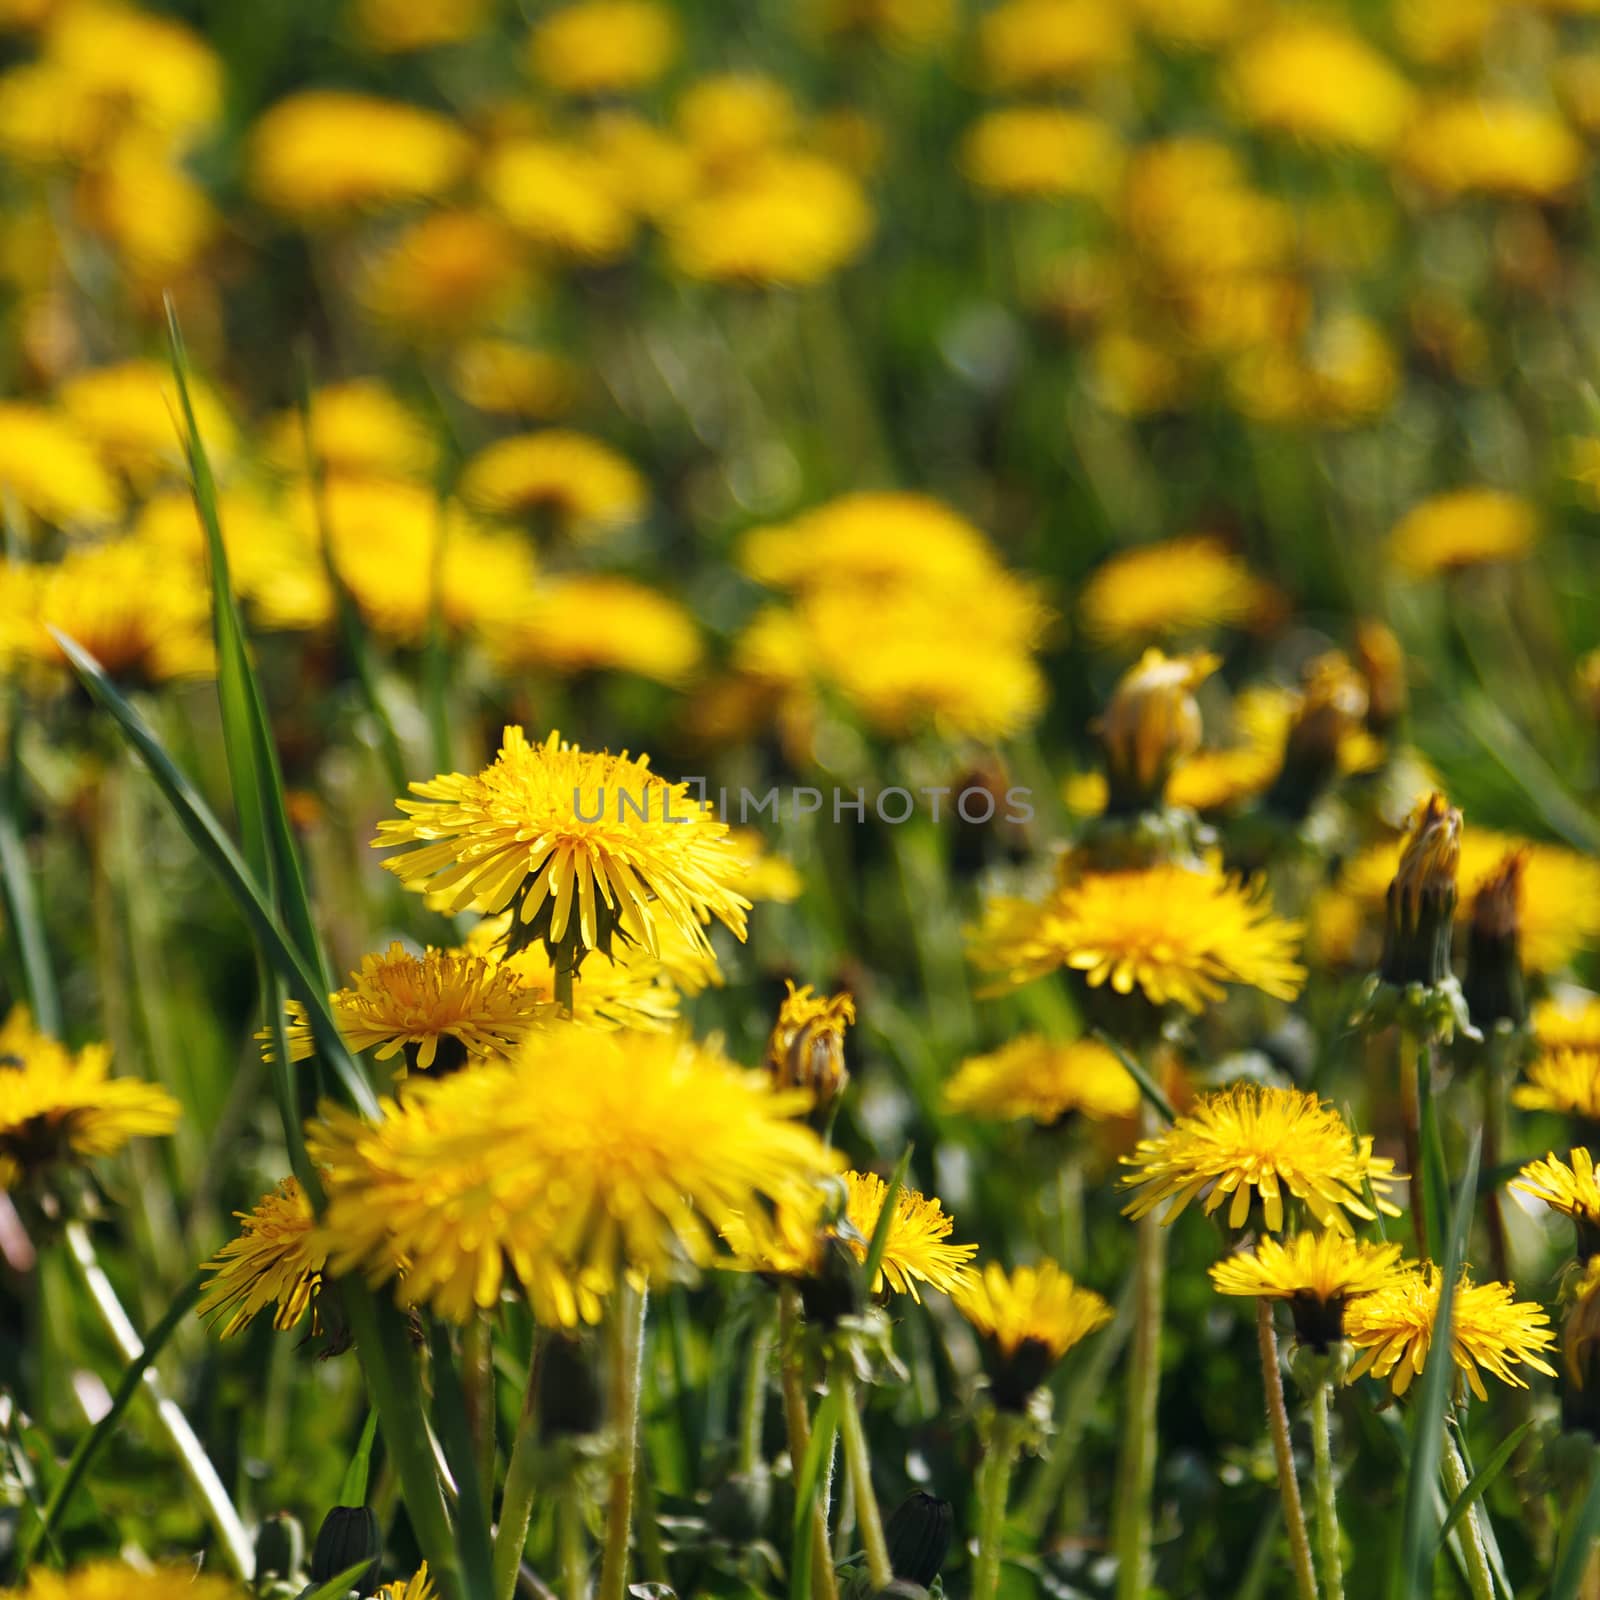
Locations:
(1318, 1274)
(1464, 528)
(588, 1156)
(1489, 1330)
(1150, 725)
(446, 272)
(1178, 934)
(275, 1261)
(1040, 151)
(397, 27)
(441, 1008)
(582, 622)
(1569, 1187)
(358, 429)
(1027, 1322)
(1252, 1142)
(560, 830)
(130, 413)
(1481, 144)
(560, 196)
(806, 1046)
(585, 487)
(1028, 43)
(325, 154)
(56, 1106)
(112, 1580)
(1164, 591)
(603, 46)
(52, 468)
(1045, 1079)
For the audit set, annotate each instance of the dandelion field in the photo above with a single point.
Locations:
(799, 800)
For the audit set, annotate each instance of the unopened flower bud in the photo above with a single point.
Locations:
(918, 1534)
(1383, 664)
(1332, 706)
(280, 1546)
(349, 1534)
(806, 1049)
(1493, 986)
(569, 1394)
(1421, 902)
(837, 1288)
(1150, 725)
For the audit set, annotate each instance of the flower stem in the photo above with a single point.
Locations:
(1327, 1505)
(1479, 1579)
(1494, 1142)
(574, 1560)
(1136, 1466)
(477, 1380)
(627, 1355)
(798, 1423)
(1294, 1517)
(565, 965)
(993, 1491)
(1411, 1113)
(753, 1401)
(859, 1465)
(516, 1504)
(191, 1453)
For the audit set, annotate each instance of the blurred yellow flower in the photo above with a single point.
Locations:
(596, 47)
(1026, 43)
(323, 154)
(155, 218)
(1482, 145)
(561, 196)
(591, 623)
(648, 169)
(1042, 151)
(396, 27)
(1044, 1079)
(447, 272)
(114, 1580)
(898, 24)
(1134, 376)
(1568, 1188)
(130, 413)
(358, 429)
(274, 1261)
(1167, 590)
(731, 117)
(1197, 24)
(512, 380)
(261, 544)
(1445, 31)
(1463, 528)
(583, 486)
(52, 468)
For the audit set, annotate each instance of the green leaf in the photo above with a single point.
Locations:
(450, 1419)
(1420, 1524)
(1435, 1173)
(1148, 1086)
(1578, 1539)
(90, 1445)
(209, 837)
(807, 1486)
(353, 1491)
(880, 1230)
(336, 1588)
(1480, 1480)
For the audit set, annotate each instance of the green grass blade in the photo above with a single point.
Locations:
(1578, 1539)
(1148, 1086)
(880, 1231)
(807, 1486)
(209, 837)
(336, 1588)
(25, 921)
(450, 1420)
(1435, 1172)
(1480, 1480)
(353, 1490)
(90, 1445)
(1420, 1525)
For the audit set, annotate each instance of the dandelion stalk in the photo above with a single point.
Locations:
(1411, 1114)
(1479, 1578)
(752, 1405)
(191, 1453)
(574, 1559)
(798, 1424)
(1294, 1518)
(627, 1353)
(859, 1465)
(477, 1378)
(516, 1503)
(993, 1491)
(1327, 1505)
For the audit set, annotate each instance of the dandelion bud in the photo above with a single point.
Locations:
(741, 1504)
(348, 1534)
(280, 1546)
(1332, 706)
(1383, 664)
(918, 1534)
(1422, 899)
(1151, 724)
(837, 1288)
(1493, 985)
(569, 1396)
(806, 1050)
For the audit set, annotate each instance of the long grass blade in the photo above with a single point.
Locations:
(1579, 1539)
(450, 1419)
(1148, 1086)
(880, 1231)
(1478, 1483)
(337, 1587)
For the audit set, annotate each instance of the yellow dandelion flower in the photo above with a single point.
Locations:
(1321, 82)
(1196, 24)
(650, 170)
(917, 1250)
(584, 486)
(603, 46)
(806, 1047)
(56, 1106)
(276, 1261)
(1564, 1080)
(1319, 1274)
(765, 875)
(419, 1586)
(1027, 1322)
(904, 25)
(588, 1156)
(1178, 934)
(1489, 1330)
(557, 825)
(358, 429)
(560, 196)
(584, 622)
(1580, 1330)
(1041, 151)
(448, 271)
(1568, 1021)
(397, 27)
(441, 1008)
(627, 989)
(130, 413)
(1569, 1187)
(155, 218)
(326, 153)
(783, 218)
(112, 1580)
(1464, 528)
(1028, 43)
(255, 535)
(1482, 144)
(730, 117)
(1150, 724)
(1164, 591)
(1252, 1141)
(512, 380)
(52, 468)
(1044, 1079)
